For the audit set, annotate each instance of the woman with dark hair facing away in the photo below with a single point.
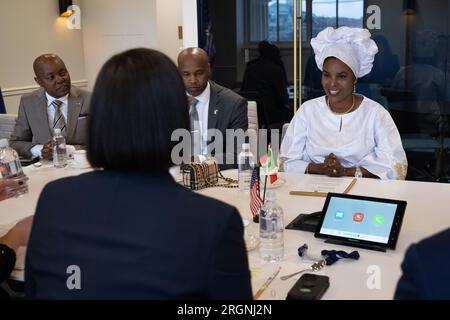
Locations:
(129, 231)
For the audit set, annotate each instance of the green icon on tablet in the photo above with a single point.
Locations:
(378, 219)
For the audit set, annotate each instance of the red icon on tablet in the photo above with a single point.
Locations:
(358, 217)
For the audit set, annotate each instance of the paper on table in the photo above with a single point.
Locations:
(263, 276)
(314, 185)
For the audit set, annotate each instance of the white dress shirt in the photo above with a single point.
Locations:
(203, 110)
(37, 149)
(368, 138)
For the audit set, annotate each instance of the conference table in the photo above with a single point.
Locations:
(373, 276)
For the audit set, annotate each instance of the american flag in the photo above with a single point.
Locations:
(255, 199)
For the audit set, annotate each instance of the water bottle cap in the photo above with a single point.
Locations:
(57, 131)
(271, 196)
(246, 146)
(4, 143)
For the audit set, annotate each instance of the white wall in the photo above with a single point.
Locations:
(189, 13)
(169, 18)
(111, 26)
(27, 30)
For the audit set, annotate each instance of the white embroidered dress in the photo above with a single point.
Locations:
(368, 138)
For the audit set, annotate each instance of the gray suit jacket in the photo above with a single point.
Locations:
(32, 125)
(227, 110)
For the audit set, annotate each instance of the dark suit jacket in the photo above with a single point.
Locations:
(7, 262)
(32, 125)
(426, 270)
(269, 80)
(135, 236)
(227, 110)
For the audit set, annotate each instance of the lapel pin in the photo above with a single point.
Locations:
(216, 111)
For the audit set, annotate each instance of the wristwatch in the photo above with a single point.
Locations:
(358, 173)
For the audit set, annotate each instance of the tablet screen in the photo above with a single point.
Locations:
(361, 219)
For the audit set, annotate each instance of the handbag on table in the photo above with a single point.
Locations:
(205, 174)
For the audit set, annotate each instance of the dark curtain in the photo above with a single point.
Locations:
(2, 103)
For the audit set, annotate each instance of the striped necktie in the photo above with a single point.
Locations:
(58, 120)
(196, 137)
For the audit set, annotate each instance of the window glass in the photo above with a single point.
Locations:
(304, 22)
(323, 15)
(286, 20)
(273, 21)
(350, 13)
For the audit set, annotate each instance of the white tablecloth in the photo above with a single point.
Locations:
(373, 276)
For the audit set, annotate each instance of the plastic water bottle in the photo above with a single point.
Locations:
(271, 230)
(59, 149)
(246, 163)
(10, 166)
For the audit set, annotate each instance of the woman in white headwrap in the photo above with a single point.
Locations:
(342, 133)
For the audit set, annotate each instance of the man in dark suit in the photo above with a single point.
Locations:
(267, 76)
(55, 105)
(426, 270)
(212, 106)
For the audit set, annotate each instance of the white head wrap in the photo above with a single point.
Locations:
(352, 46)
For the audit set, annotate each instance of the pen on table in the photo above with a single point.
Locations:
(308, 193)
(350, 186)
(267, 283)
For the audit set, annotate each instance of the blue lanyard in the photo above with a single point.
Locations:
(334, 255)
(331, 256)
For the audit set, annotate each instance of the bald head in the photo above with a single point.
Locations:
(196, 54)
(52, 75)
(194, 68)
(45, 59)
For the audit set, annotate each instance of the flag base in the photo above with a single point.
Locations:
(256, 218)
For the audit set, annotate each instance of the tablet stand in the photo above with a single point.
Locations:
(305, 222)
(358, 245)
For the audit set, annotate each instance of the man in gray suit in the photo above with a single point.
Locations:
(212, 106)
(55, 105)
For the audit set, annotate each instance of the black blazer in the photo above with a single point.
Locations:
(7, 262)
(269, 80)
(426, 268)
(227, 110)
(134, 236)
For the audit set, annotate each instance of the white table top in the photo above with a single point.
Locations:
(15, 209)
(427, 213)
